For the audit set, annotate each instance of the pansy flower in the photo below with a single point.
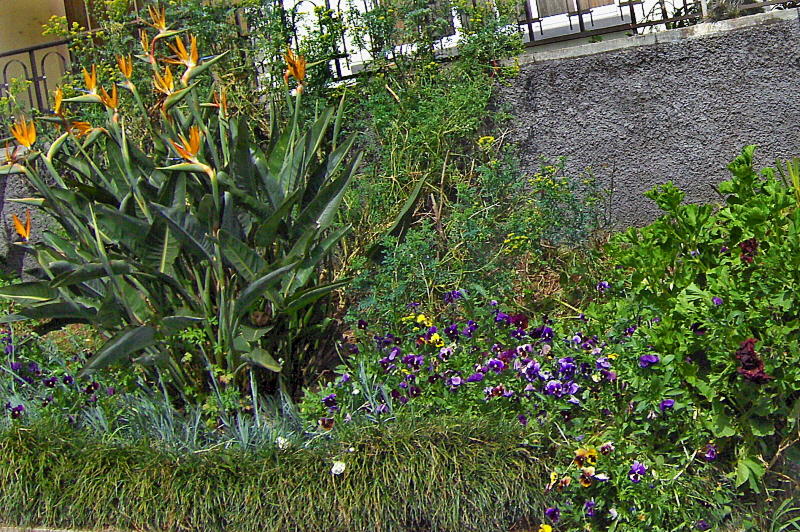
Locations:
(475, 377)
(502, 317)
(645, 361)
(607, 448)
(554, 387)
(496, 365)
(451, 331)
(553, 513)
(749, 249)
(711, 452)
(566, 366)
(636, 472)
(452, 296)
(702, 525)
(587, 474)
(751, 365)
(585, 456)
(330, 402)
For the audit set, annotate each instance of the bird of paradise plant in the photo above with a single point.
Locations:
(227, 240)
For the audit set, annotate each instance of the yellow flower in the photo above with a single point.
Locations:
(295, 67)
(144, 40)
(125, 65)
(585, 456)
(57, 99)
(90, 80)
(165, 83)
(189, 58)
(79, 129)
(587, 474)
(553, 480)
(436, 340)
(612, 356)
(159, 18)
(23, 230)
(112, 101)
(188, 149)
(545, 528)
(24, 132)
(423, 320)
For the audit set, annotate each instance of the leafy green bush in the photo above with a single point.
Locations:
(196, 226)
(713, 293)
(497, 229)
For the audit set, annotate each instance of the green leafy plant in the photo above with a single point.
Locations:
(712, 291)
(197, 226)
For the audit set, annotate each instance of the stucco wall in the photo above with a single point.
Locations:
(21, 22)
(677, 106)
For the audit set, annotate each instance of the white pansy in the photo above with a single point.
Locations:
(338, 468)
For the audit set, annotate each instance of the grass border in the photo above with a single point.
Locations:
(436, 475)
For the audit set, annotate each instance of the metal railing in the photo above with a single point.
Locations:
(38, 65)
(599, 17)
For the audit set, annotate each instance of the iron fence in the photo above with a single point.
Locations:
(41, 66)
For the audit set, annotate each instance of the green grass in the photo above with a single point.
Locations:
(433, 475)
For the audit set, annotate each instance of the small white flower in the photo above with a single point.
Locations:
(282, 443)
(352, 449)
(613, 513)
(356, 391)
(338, 468)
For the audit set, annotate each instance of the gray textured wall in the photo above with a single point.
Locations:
(14, 259)
(676, 111)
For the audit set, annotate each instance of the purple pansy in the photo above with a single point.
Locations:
(475, 377)
(645, 361)
(666, 404)
(602, 363)
(452, 296)
(496, 365)
(330, 402)
(553, 513)
(637, 470)
(711, 452)
(588, 507)
(554, 387)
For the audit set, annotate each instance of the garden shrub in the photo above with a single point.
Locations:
(712, 292)
(500, 229)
